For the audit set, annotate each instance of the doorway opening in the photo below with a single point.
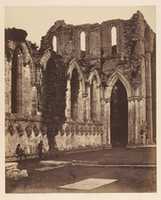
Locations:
(119, 115)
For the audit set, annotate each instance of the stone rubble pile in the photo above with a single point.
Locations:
(12, 171)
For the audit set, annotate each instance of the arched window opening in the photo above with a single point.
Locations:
(14, 82)
(114, 40)
(54, 43)
(74, 94)
(83, 41)
(94, 98)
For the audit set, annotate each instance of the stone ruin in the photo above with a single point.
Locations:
(69, 92)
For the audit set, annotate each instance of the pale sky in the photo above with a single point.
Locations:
(37, 20)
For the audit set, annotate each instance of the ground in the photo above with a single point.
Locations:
(134, 170)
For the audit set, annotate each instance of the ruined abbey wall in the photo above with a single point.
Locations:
(91, 74)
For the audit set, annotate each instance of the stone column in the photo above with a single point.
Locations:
(68, 101)
(143, 102)
(142, 111)
(85, 99)
(136, 103)
(131, 121)
(80, 102)
(88, 103)
(107, 125)
(149, 98)
(8, 86)
(98, 103)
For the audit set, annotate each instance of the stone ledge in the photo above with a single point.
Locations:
(133, 146)
(79, 150)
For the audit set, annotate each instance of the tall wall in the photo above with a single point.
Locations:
(131, 60)
(22, 122)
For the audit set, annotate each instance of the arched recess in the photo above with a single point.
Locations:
(16, 81)
(114, 78)
(119, 115)
(94, 93)
(75, 79)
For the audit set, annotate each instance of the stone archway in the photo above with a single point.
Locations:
(119, 115)
(74, 67)
(94, 92)
(113, 79)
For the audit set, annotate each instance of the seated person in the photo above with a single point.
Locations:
(20, 152)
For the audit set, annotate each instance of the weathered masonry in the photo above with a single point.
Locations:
(109, 86)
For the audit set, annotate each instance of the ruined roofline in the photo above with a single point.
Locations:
(62, 23)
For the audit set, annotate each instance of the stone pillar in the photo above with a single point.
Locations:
(137, 124)
(84, 100)
(98, 103)
(8, 86)
(68, 101)
(88, 104)
(130, 122)
(149, 116)
(107, 125)
(80, 102)
(143, 91)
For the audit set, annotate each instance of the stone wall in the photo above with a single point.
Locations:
(19, 68)
(131, 60)
(80, 135)
(26, 131)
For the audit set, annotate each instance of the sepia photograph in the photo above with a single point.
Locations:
(80, 99)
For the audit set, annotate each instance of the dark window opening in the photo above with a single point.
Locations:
(114, 50)
(14, 83)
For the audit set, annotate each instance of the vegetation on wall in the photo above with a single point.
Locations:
(54, 90)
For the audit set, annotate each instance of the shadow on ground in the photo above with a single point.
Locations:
(129, 179)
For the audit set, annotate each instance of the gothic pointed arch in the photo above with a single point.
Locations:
(75, 90)
(74, 65)
(16, 79)
(92, 75)
(113, 79)
(94, 93)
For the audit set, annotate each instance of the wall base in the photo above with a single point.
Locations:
(133, 146)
